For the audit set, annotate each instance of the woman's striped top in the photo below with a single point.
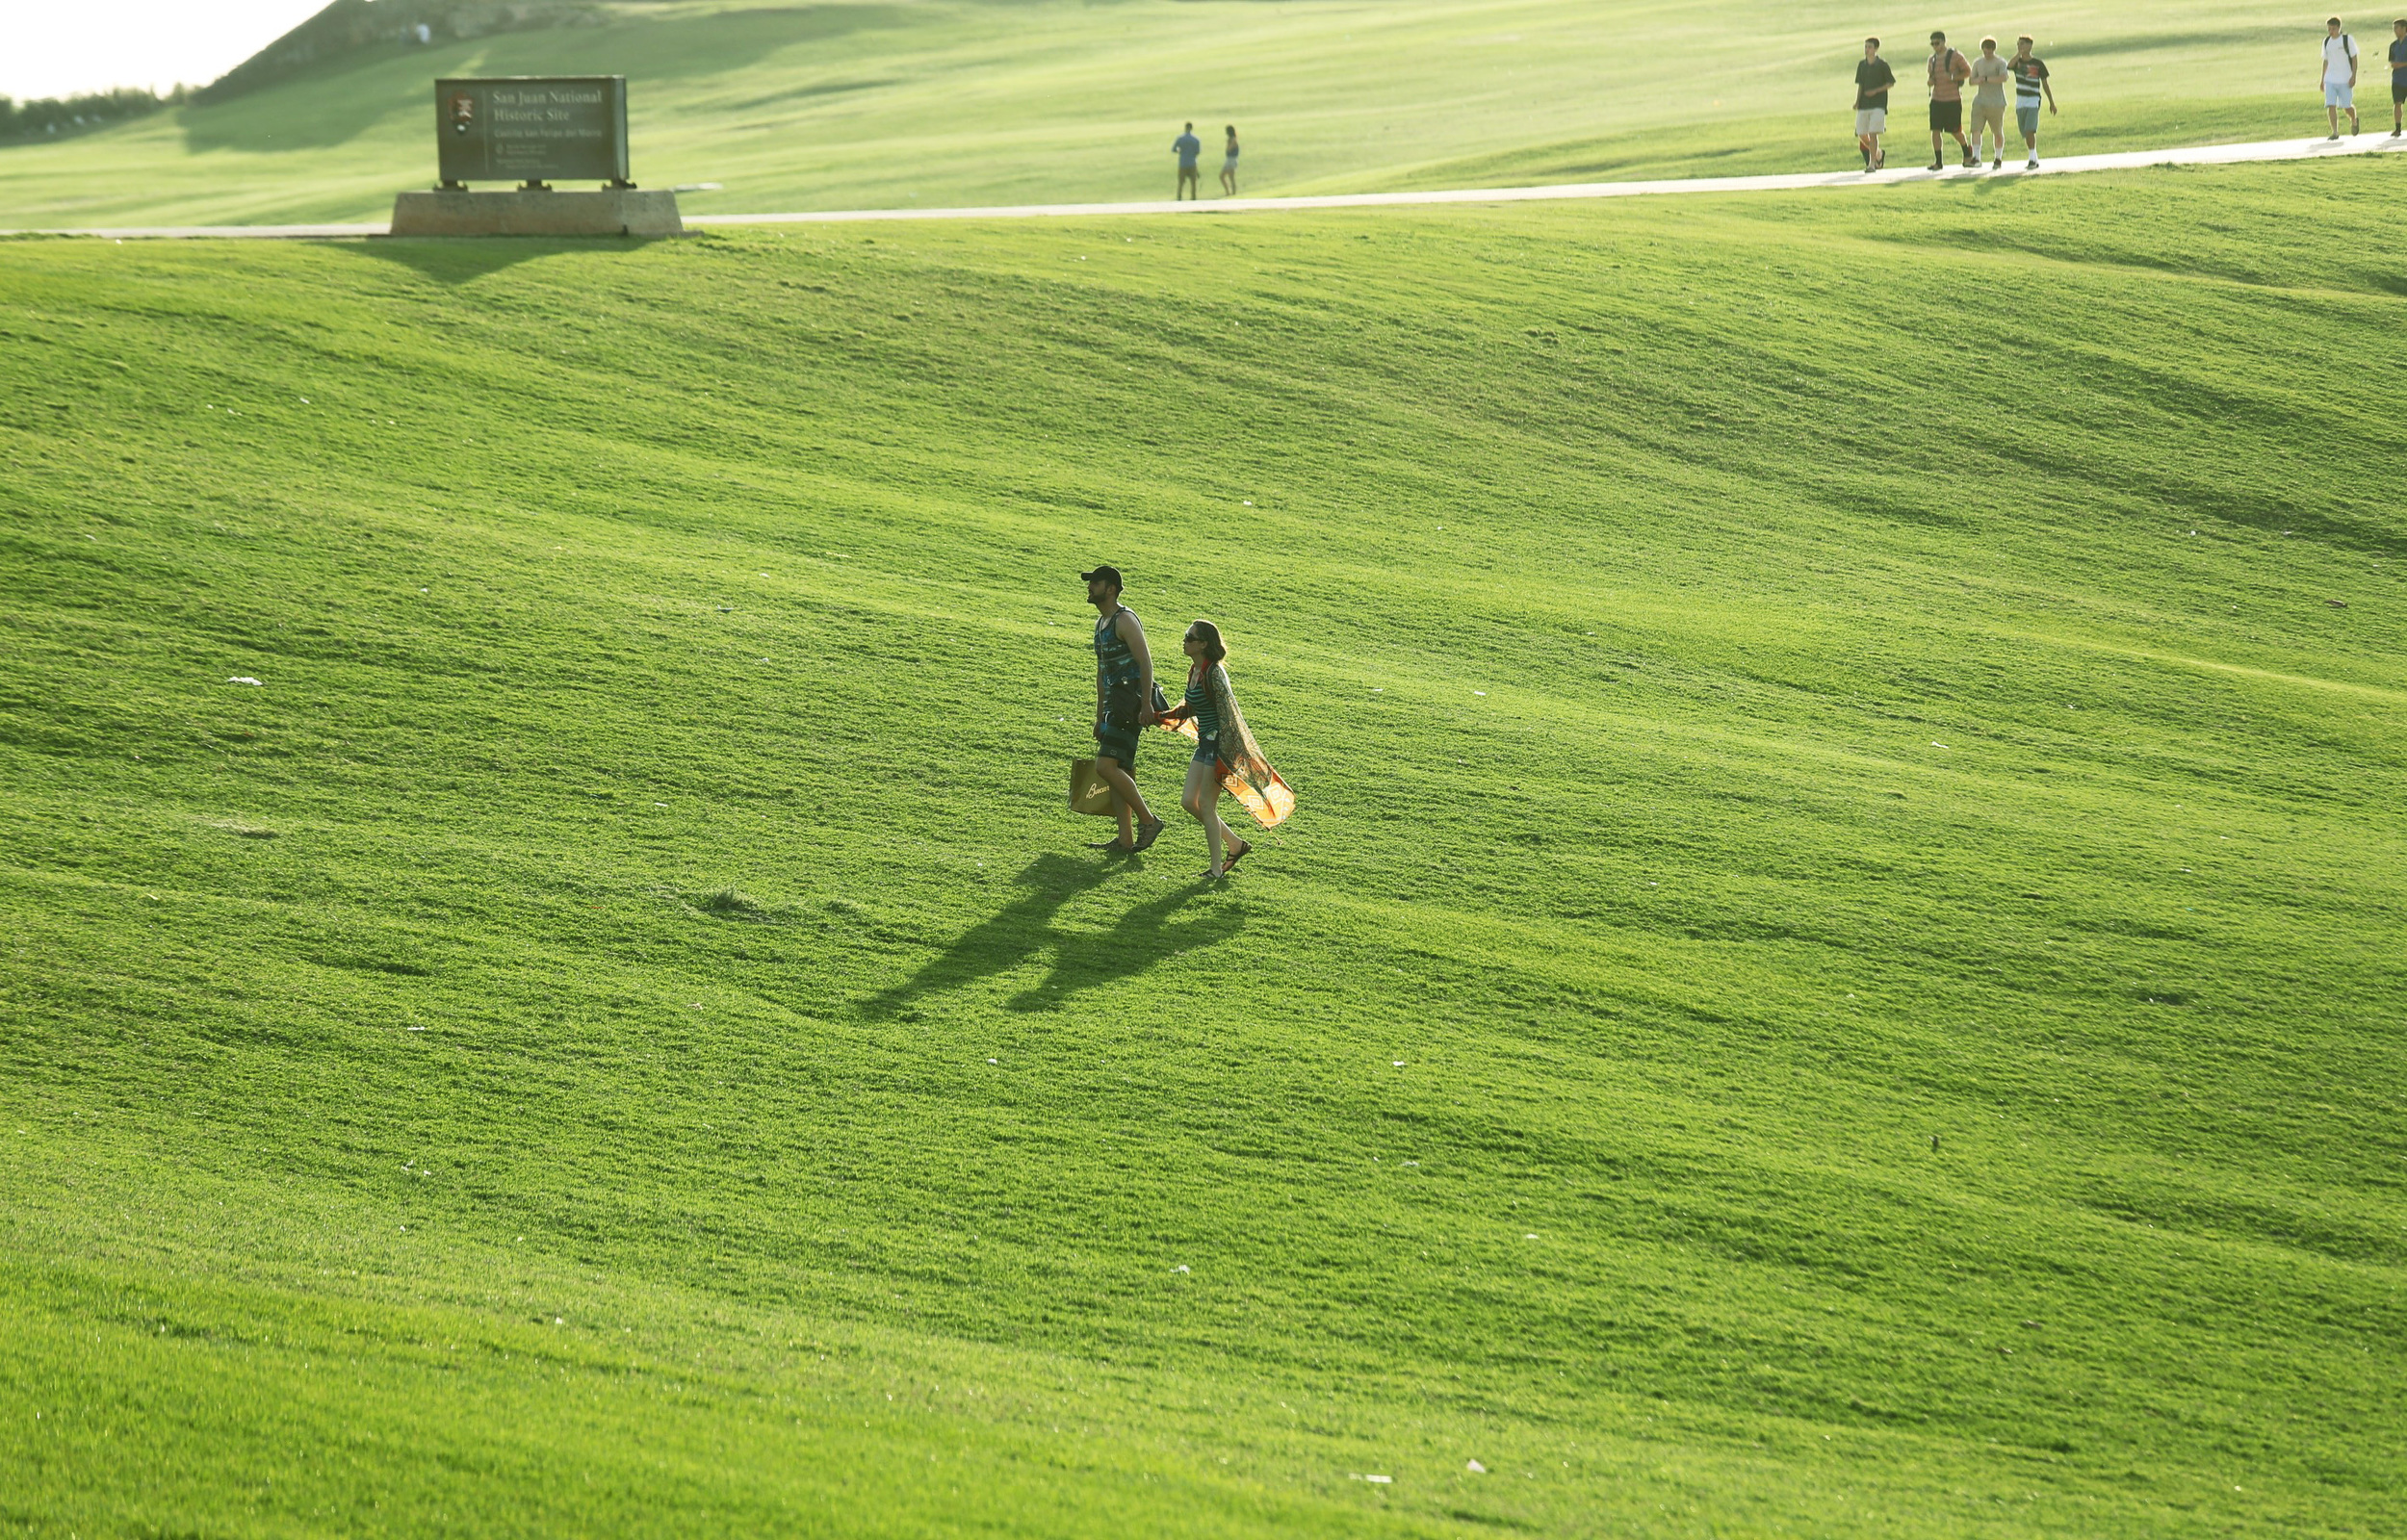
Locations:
(1200, 701)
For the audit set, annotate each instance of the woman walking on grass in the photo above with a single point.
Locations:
(1227, 758)
(1229, 164)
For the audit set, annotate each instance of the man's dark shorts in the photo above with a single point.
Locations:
(1947, 117)
(1118, 740)
(2399, 93)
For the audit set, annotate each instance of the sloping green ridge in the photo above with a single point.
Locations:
(1835, 973)
(927, 103)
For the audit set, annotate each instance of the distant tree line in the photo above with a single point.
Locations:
(343, 27)
(56, 117)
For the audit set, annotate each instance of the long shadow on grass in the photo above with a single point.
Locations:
(1149, 933)
(455, 260)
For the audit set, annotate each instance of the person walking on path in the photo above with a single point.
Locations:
(1226, 758)
(2339, 77)
(1229, 164)
(1190, 179)
(1123, 693)
(1989, 76)
(2031, 83)
(2398, 76)
(1873, 79)
(1946, 71)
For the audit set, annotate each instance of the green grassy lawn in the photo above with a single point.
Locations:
(950, 102)
(1835, 974)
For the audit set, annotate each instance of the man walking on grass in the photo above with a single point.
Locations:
(2031, 83)
(2339, 77)
(1124, 687)
(1190, 179)
(1946, 71)
(1989, 77)
(2398, 76)
(1873, 79)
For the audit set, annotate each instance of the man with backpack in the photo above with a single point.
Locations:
(2339, 77)
(1947, 70)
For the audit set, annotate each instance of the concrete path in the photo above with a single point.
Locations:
(2287, 149)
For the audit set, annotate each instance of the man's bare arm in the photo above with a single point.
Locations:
(1132, 631)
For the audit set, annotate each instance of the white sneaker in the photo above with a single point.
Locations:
(2031, 165)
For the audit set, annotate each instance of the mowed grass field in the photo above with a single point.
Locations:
(953, 102)
(1836, 973)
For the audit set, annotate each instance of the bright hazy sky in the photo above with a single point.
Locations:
(58, 47)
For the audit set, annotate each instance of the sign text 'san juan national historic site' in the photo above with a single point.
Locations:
(533, 129)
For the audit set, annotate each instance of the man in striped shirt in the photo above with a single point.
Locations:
(2031, 83)
(1124, 689)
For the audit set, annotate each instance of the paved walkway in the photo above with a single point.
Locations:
(2287, 149)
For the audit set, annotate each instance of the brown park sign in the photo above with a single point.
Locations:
(531, 129)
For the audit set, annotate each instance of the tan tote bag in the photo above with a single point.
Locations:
(1089, 792)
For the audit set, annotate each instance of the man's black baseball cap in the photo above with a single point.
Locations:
(1109, 575)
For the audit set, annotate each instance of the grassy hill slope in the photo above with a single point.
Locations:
(1835, 973)
(953, 102)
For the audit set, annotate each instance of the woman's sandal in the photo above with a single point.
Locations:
(1229, 864)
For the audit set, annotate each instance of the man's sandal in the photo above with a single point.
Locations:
(1146, 834)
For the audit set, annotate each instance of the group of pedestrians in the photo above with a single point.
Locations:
(1190, 150)
(1128, 701)
(1948, 72)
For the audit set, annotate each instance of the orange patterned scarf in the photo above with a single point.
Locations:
(1244, 774)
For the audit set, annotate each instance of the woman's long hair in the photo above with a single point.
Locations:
(1205, 631)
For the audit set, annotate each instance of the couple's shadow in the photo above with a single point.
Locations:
(1140, 940)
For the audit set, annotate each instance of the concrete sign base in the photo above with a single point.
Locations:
(612, 210)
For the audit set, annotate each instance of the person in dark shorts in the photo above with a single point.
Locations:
(1190, 179)
(1947, 70)
(2399, 77)
(2030, 84)
(1873, 79)
(1123, 691)
(1208, 701)
(1229, 163)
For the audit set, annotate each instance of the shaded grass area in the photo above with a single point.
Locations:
(927, 103)
(1833, 975)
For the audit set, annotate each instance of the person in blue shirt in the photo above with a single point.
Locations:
(1190, 179)
(2399, 77)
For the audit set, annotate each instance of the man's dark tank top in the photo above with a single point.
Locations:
(1111, 650)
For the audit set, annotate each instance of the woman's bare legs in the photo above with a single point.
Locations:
(1202, 798)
